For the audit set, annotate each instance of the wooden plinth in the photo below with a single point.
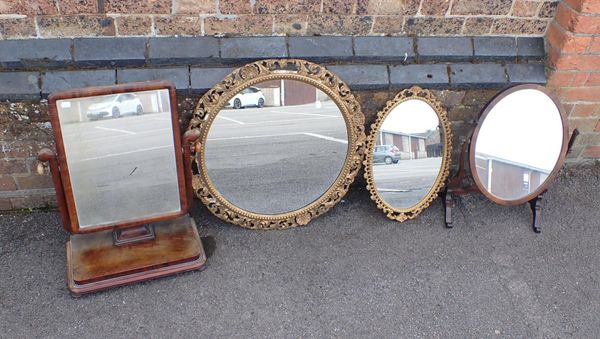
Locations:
(94, 263)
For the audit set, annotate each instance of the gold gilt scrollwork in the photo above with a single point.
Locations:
(293, 69)
(412, 93)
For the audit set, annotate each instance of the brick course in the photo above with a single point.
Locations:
(85, 18)
(574, 62)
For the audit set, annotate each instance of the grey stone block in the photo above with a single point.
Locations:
(55, 81)
(19, 85)
(362, 76)
(426, 75)
(531, 48)
(32, 53)
(445, 49)
(495, 48)
(477, 76)
(109, 51)
(321, 47)
(183, 50)
(179, 76)
(526, 73)
(206, 78)
(253, 48)
(387, 48)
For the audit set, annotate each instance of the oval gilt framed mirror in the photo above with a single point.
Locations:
(408, 154)
(281, 142)
(519, 144)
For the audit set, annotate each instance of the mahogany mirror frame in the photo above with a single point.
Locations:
(456, 185)
(559, 163)
(61, 178)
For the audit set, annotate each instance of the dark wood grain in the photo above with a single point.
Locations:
(94, 263)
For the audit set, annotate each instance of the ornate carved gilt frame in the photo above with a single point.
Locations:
(293, 69)
(412, 93)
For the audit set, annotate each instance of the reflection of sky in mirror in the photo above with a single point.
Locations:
(524, 127)
(410, 117)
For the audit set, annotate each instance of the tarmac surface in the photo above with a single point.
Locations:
(350, 273)
(298, 151)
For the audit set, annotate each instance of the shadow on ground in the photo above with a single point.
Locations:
(349, 273)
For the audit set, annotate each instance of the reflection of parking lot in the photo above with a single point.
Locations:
(404, 184)
(296, 152)
(120, 166)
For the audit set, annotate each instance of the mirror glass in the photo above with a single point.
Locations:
(518, 144)
(408, 154)
(276, 147)
(120, 154)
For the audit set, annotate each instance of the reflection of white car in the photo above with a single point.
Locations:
(115, 106)
(250, 96)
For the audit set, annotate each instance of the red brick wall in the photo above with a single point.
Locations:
(58, 18)
(574, 59)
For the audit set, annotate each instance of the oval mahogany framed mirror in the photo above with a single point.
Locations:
(280, 143)
(408, 154)
(519, 144)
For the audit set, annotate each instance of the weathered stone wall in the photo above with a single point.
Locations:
(74, 18)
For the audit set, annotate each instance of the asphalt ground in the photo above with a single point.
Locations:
(404, 184)
(350, 273)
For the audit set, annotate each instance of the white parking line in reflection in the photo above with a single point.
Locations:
(311, 114)
(255, 136)
(288, 120)
(125, 153)
(320, 136)
(115, 130)
(229, 119)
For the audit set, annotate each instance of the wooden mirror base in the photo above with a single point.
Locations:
(95, 263)
(456, 186)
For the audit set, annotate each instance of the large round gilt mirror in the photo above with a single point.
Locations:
(281, 142)
(408, 154)
(519, 144)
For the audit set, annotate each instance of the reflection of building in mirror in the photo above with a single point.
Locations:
(396, 145)
(113, 106)
(508, 179)
(276, 93)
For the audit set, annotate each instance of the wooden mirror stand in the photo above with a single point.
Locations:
(116, 251)
(458, 185)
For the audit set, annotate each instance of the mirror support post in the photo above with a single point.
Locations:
(189, 141)
(448, 205)
(455, 184)
(46, 155)
(536, 213)
(572, 140)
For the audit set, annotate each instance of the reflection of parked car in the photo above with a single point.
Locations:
(250, 96)
(115, 106)
(386, 153)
